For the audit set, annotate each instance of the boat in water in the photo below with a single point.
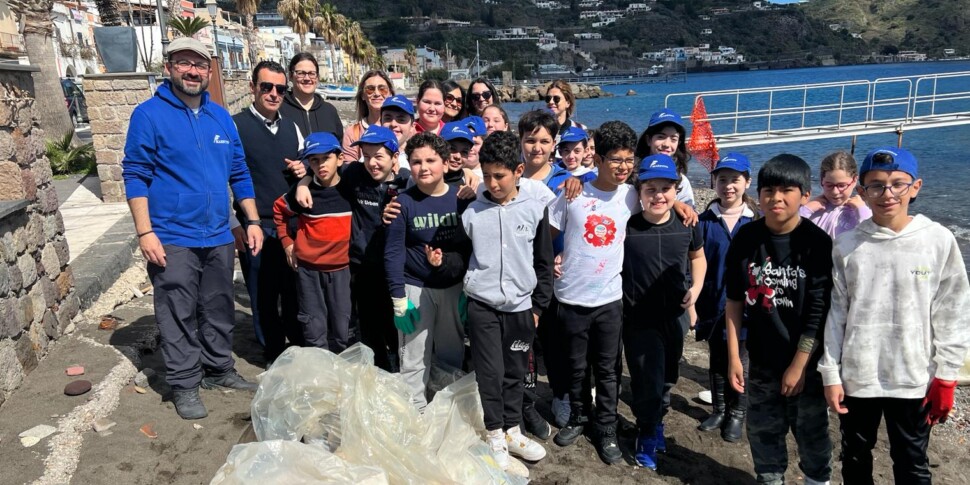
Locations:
(334, 92)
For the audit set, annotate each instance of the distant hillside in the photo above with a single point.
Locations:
(796, 34)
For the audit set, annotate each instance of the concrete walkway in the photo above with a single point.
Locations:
(86, 217)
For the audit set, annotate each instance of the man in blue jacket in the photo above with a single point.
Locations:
(181, 153)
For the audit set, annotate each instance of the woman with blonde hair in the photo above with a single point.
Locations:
(374, 87)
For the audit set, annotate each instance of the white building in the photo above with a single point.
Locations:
(637, 8)
(74, 49)
(588, 36)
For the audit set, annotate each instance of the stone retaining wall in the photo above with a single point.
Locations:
(37, 296)
(111, 98)
(237, 93)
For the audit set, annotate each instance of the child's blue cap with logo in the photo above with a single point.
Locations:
(733, 161)
(659, 166)
(476, 125)
(456, 130)
(899, 159)
(320, 142)
(401, 102)
(666, 115)
(573, 133)
(378, 135)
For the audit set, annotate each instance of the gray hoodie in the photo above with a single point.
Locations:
(900, 312)
(511, 265)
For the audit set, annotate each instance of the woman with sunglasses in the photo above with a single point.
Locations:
(454, 101)
(431, 107)
(374, 87)
(561, 101)
(481, 94)
(303, 105)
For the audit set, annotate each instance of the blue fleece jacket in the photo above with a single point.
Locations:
(713, 298)
(182, 162)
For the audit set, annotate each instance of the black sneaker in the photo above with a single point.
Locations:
(535, 424)
(607, 446)
(188, 404)
(229, 380)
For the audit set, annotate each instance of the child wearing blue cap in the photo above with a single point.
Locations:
(572, 151)
(658, 252)
(320, 251)
(666, 134)
(718, 225)
(476, 125)
(898, 328)
(460, 142)
(778, 280)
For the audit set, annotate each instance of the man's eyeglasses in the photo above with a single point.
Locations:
(837, 187)
(486, 95)
(616, 162)
(898, 189)
(265, 87)
(452, 99)
(553, 99)
(184, 66)
(370, 89)
(310, 74)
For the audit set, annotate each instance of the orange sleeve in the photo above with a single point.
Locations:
(281, 213)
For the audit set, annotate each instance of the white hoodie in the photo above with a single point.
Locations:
(900, 312)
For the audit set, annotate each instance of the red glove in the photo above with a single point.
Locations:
(939, 399)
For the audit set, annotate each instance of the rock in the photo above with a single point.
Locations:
(140, 390)
(77, 388)
(142, 378)
(196, 425)
(631, 93)
(75, 370)
(149, 431)
(102, 425)
(33, 435)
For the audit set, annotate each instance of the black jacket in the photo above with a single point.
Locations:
(321, 116)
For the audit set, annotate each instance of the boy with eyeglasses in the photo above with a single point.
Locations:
(590, 289)
(898, 329)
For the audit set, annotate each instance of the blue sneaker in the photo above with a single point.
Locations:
(646, 455)
(660, 439)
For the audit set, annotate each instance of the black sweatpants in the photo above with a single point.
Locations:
(653, 352)
(271, 285)
(324, 298)
(195, 312)
(909, 436)
(718, 364)
(500, 344)
(375, 313)
(593, 334)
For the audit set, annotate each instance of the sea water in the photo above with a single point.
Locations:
(943, 153)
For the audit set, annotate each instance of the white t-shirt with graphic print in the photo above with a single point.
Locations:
(594, 227)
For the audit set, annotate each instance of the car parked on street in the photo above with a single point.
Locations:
(77, 107)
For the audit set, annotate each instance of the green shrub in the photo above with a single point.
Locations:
(65, 158)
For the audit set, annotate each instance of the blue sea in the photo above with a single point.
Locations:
(943, 153)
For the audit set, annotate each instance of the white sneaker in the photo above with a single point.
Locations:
(809, 481)
(499, 447)
(560, 410)
(523, 447)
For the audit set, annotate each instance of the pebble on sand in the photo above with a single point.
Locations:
(77, 388)
(33, 435)
(75, 370)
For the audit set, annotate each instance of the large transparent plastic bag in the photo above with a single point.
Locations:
(362, 413)
(291, 463)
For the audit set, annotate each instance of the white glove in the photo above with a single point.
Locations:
(400, 306)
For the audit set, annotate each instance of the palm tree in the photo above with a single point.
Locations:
(352, 42)
(48, 94)
(328, 24)
(411, 57)
(188, 27)
(247, 8)
(108, 11)
(298, 14)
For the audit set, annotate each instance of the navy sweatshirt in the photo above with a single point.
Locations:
(426, 220)
(368, 198)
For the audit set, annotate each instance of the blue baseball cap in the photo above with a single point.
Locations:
(476, 125)
(734, 161)
(574, 133)
(320, 142)
(659, 166)
(900, 159)
(378, 135)
(666, 115)
(400, 102)
(457, 130)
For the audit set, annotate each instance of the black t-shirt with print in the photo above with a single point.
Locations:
(785, 282)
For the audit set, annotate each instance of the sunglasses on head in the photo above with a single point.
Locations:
(265, 87)
(486, 95)
(553, 99)
(452, 99)
(371, 89)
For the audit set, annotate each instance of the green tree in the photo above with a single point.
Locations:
(298, 14)
(247, 8)
(328, 24)
(188, 27)
(411, 58)
(439, 74)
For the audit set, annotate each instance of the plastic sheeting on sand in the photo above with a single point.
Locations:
(280, 462)
(362, 414)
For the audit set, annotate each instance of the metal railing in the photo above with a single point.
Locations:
(755, 116)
